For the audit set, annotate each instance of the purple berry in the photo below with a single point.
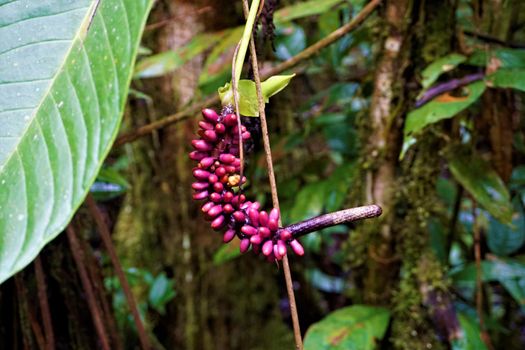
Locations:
(228, 236)
(210, 115)
(256, 239)
(249, 230)
(207, 207)
(206, 162)
(245, 245)
(218, 222)
(215, 210)
(285, 235)
(274, 214)
(206, 126)
(227, 158)
(267, 248)
(272, 225)
(264, 232)
(200, 195)
(253, 214)
(201, 145)
(199, 186)
(200, 174)
(297, 247)
(196, 155)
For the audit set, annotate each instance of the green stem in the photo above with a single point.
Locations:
(246, 35)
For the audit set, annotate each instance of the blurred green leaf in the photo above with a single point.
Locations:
(305, 9)
(445, 64)
(324, 282)
(309, 202)
(507, 78)
(109, 184)
(219, 61)
(166, 62)
(161, 292)
(356, 327)
(442, 107)
(226, 253)
(438, 239)
(483, 183)
(471, 339)
(507, 58)
(289, 41)
(504, 239)
(509, 272)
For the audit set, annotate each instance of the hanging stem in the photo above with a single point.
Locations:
(271, 176)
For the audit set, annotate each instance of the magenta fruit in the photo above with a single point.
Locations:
(218, 182)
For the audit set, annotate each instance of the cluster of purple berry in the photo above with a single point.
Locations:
(218, 183)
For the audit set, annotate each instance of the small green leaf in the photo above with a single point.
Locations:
(507, 78)
(357, 327)
(445, 64)
(274, 85)
(483, 183)
(248, 103)
(289, 41)
(442, 107)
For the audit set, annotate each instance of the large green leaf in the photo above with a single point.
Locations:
(507, 58)
(509, 272)
(505, 239)
(507, 78)
(65, 67)
(483, 183)
(442, 107)
(356, 327)
(470, 339)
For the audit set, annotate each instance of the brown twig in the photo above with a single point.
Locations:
(273, 185)
(44, 305)
(106, 239)
(479, 279)
(213, 100)
(27, 316)
(106, 312)
(78, 257)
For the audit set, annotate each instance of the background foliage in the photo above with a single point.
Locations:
(419, 109)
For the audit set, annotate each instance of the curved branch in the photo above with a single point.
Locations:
(331, 219)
